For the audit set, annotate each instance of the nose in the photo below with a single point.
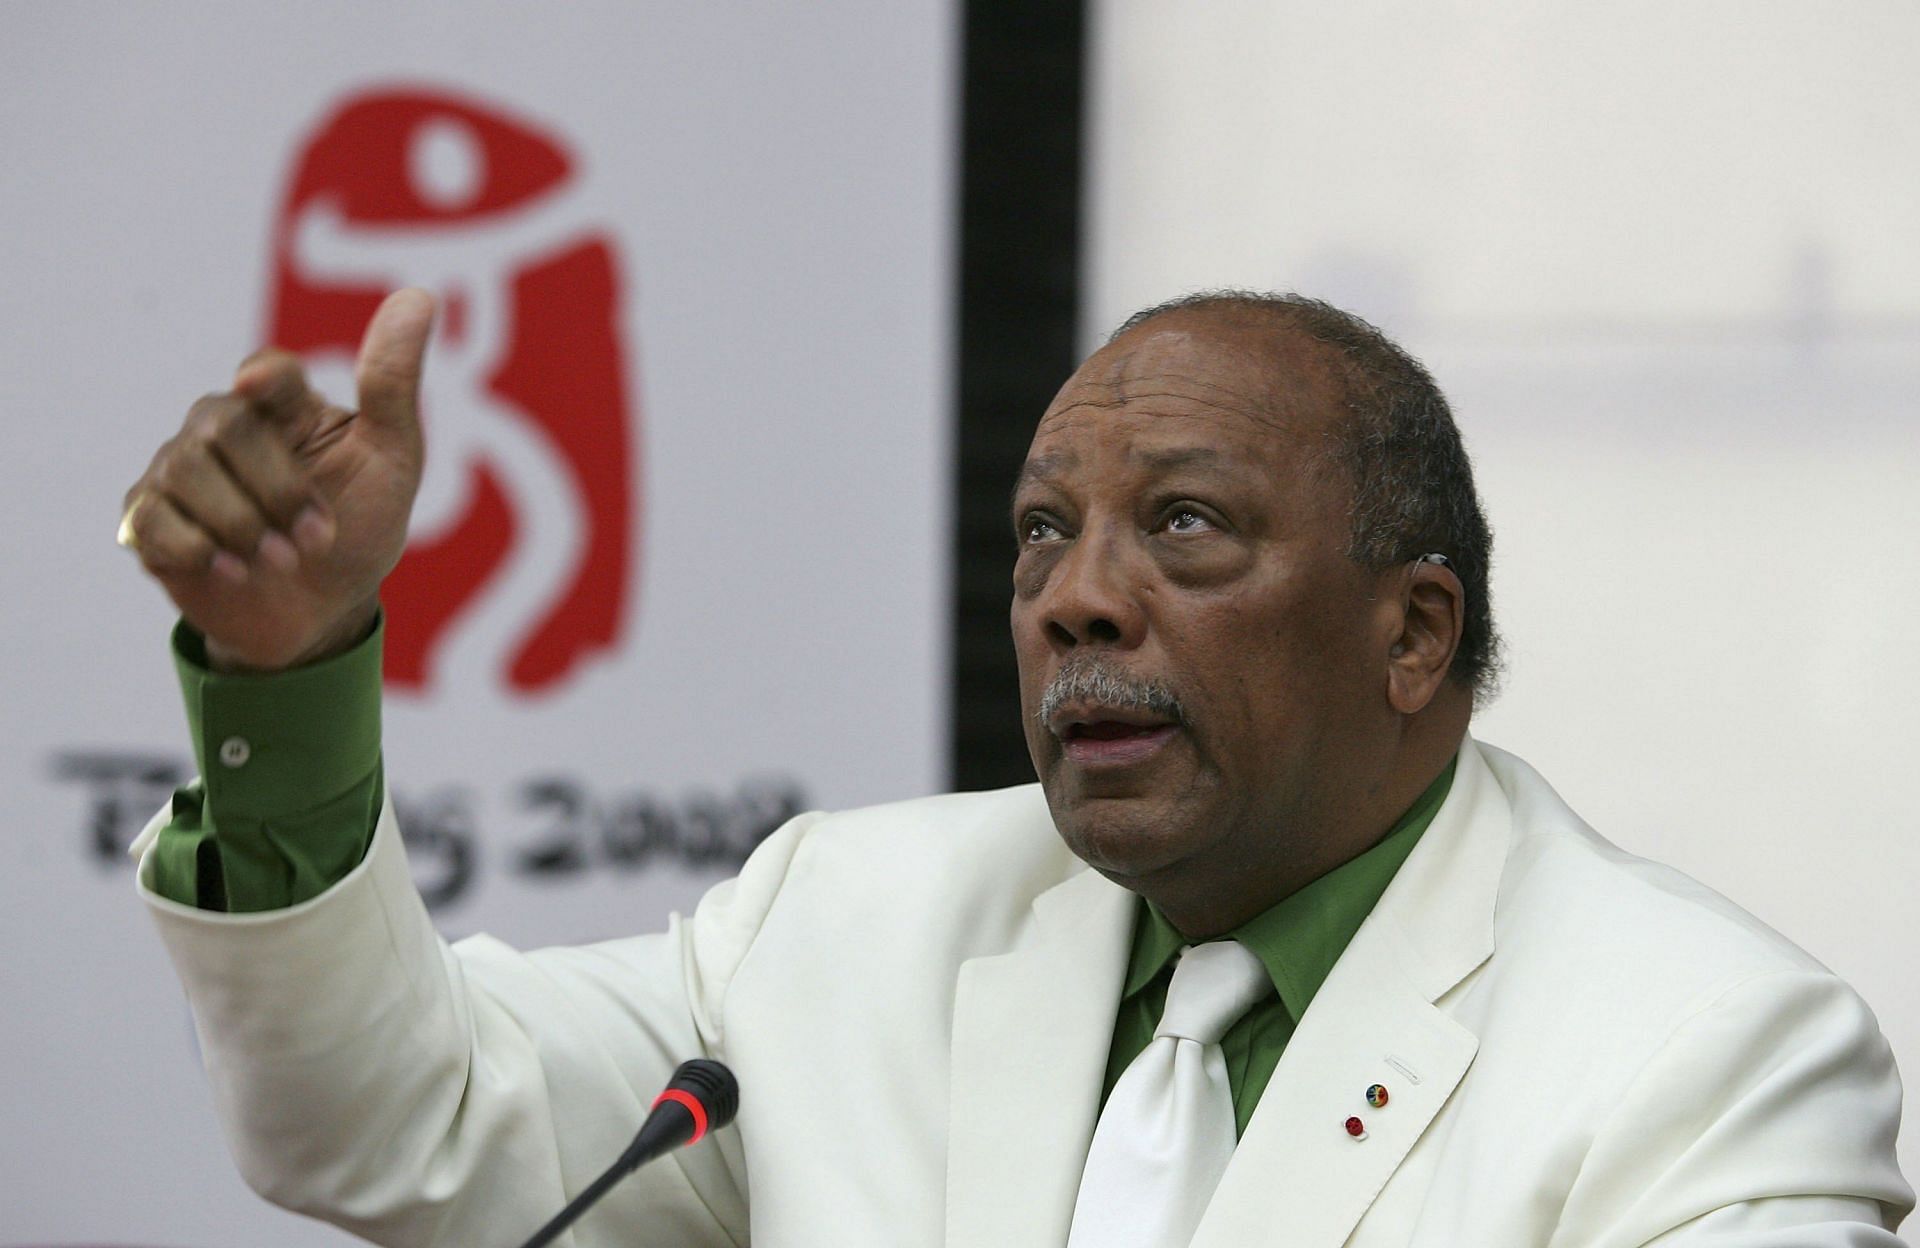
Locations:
(1090, 598)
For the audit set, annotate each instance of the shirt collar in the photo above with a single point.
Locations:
(1299, 939)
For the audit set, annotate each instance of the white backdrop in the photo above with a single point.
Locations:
(1665, 260)
(760, 198)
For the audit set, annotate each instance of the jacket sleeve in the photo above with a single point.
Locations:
(416, 1093)
(1767, 1118)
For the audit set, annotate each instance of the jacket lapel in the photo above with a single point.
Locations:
(1031, 1031)
(1298, 1177)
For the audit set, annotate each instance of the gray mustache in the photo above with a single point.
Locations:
(1094, 681)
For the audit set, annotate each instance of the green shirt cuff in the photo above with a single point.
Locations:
(292, 783)
(277, 744)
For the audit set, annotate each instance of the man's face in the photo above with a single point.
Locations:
(1183, 530)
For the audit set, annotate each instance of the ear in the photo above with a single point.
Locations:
(1433, 614)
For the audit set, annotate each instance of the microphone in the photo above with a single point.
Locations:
(702, 1096)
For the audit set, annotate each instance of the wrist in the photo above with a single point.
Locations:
(352, 629)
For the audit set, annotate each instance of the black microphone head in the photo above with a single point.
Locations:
(713, 1085)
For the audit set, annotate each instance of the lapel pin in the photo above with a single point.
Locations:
(1377, 1095)
(1356, 1129)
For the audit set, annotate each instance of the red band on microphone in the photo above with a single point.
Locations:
(692, 1106)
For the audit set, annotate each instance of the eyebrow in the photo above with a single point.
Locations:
(1036, 469)
(1049, 465)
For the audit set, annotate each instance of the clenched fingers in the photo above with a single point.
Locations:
(169, 544)
(231, 487)
(254, 450)
(195, 480)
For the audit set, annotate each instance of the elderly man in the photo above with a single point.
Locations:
(1275, 952)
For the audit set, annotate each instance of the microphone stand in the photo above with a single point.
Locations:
(702, 1096)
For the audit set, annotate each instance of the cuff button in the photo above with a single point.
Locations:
(234, 752)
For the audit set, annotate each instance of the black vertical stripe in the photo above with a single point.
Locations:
(1019, 303)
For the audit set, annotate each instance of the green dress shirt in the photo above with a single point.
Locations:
(1298, 941)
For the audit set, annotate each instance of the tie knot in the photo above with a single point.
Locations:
(1213, 985)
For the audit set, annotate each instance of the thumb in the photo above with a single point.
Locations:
(391, 355)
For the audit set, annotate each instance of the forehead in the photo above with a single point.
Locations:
(1189, 389)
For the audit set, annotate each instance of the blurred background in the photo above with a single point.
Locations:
(749, 312)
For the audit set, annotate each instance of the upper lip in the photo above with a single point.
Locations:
(1077, 714)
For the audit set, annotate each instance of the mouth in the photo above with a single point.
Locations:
(1097, 736)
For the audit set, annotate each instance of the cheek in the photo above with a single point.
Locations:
(1259, 664)
(1029, 646)
(1033, 662)
(1029, 578)
(1222, 660)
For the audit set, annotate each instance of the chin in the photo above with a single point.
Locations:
(1121, 844)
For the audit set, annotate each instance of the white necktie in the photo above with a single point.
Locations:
(1167, 1132)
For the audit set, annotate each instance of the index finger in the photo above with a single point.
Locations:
(274, 383)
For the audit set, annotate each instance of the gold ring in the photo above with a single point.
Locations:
(126, 535)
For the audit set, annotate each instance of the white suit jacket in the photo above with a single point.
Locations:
(1581, 1048)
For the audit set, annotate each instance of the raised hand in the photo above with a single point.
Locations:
(272, 517)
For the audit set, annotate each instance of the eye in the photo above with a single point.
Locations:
(1182, 519)
(1035, 529)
